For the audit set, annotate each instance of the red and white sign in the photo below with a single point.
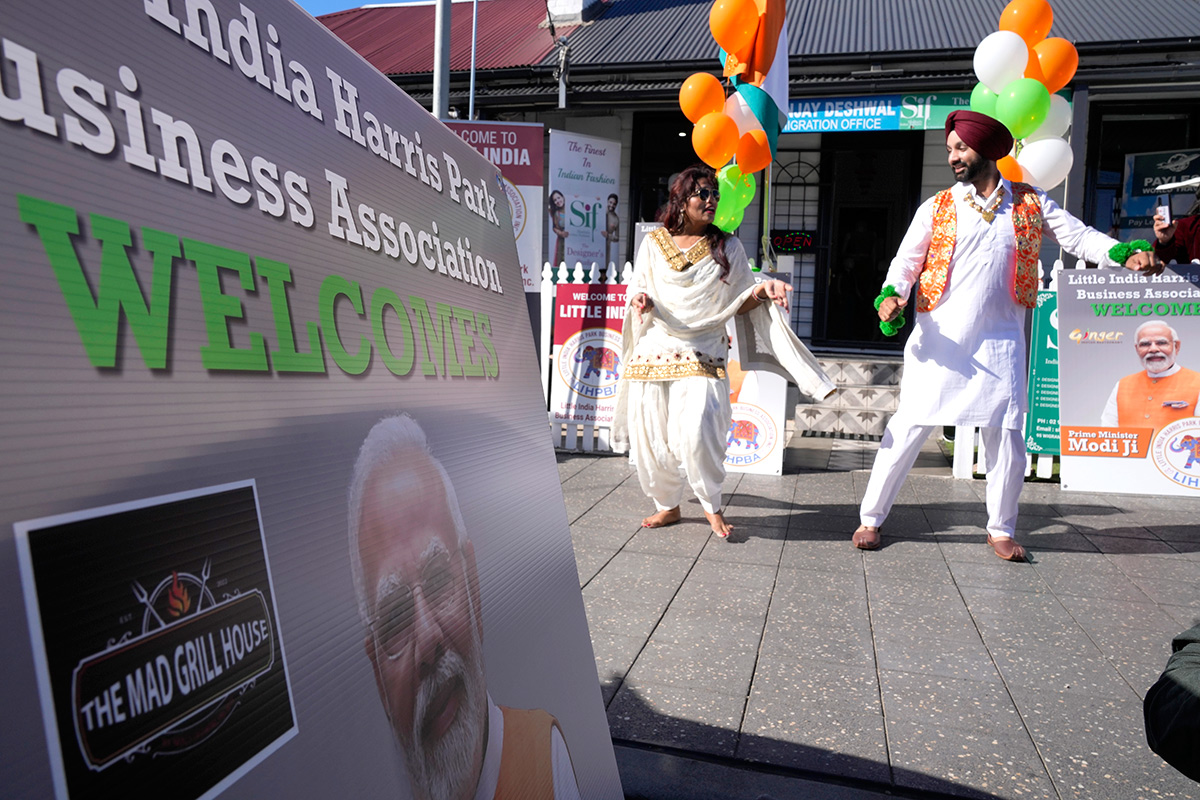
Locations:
(587, 352)
(516, 148)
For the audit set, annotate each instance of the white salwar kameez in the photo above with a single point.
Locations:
(964, 363)
(674, 417)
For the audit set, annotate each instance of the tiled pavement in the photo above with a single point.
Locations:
(785, 663)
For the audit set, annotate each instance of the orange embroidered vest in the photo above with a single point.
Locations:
(1027, 225)
(1140, 398)
(526, 769)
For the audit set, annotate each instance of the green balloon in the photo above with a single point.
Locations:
(983, 100)
(1022, 106)
(743, 190)
(727, 206)
(728, 217)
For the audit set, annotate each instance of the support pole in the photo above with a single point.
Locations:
(441, 60)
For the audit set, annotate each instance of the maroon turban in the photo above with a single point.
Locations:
(981, 133)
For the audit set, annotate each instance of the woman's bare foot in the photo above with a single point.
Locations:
(719, 525)
(668, 517)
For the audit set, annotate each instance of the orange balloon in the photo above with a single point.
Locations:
(715, 139)
(701, 94)
(1058, 59)
(1033, 68)
(733, 23)
(1010, 169)
(1029, 19)
(753, 152)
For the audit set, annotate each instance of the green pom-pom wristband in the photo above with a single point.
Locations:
(892, 327)
(1121, 251)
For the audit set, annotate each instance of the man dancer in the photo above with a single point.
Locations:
(972, 254)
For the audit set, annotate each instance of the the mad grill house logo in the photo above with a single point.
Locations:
(156, 639)
(172, 686)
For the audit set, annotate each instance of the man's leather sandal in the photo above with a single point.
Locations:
(866, 539)
(1006, 547)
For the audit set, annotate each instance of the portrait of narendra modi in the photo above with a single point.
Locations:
(418, 593)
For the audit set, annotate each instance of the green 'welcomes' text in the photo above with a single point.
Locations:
(447, 340)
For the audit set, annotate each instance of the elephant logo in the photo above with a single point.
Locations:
(589, 364)
(743, 433)
(1176, 450)
(597, 359)
(1189, 445)
(752, 437)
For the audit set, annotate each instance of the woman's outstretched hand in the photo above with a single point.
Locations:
(641, 304)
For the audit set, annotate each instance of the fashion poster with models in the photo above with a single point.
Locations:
(1129, 390)
(517, 149)
(583, 209)
(278, 512)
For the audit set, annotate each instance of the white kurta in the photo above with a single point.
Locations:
(965, 360)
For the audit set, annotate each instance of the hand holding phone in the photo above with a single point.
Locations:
(1164, 209)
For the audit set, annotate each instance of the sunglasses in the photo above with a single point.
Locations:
(704, 194)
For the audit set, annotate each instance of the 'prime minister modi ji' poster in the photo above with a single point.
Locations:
(1129, 380)
(267, 398)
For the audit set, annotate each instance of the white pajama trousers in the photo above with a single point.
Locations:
(1004, 454)
(678, 430)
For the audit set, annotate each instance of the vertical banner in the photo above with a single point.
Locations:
(759, 401)
(279, 516)
(582, 205)
(586, 353)
(517, 148)
(1128, 390)
(1144, 173)
(1041, 423)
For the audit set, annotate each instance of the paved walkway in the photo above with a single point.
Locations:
(785, 663)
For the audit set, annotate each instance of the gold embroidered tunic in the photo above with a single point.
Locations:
(686, 331)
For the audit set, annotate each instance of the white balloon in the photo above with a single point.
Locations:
(1058, 119)
(1000, 59)
(1046, 162)
(737, 109)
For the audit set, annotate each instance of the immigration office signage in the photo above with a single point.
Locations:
(159, 649)
(267, 374)
(1129, 390)
(880, 112)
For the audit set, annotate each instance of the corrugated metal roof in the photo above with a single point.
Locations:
(398, 40)
(649, 31)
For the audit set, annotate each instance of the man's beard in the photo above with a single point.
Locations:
(444, 770)
(1156, 366)
(973, 170)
